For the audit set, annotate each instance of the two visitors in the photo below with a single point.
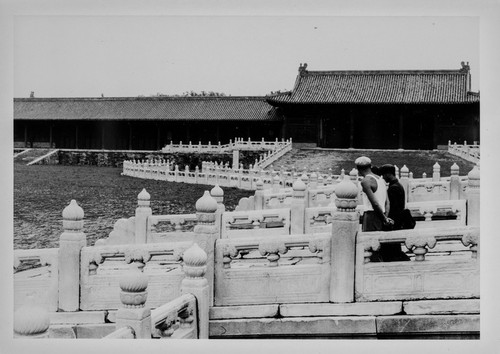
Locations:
(383, 207)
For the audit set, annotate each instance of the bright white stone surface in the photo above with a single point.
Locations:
(350, 309)
(257, 311)
(298, 326)
(80, 317)
(431, 307)
(428, 324)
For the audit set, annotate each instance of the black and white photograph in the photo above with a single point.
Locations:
(257, 176)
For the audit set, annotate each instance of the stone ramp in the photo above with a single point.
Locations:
(29, 155)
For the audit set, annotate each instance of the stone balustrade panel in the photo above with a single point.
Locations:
(322, 196)
(170, 228)
(255, 223)
(176, 319)
(36, 273)
(276, 269)
(319, 219)
(439, 214)
(246, 204)
(427, 190)
(425, 276)
(123, 233)
(468, 152)
(102, 266)
(279, 200)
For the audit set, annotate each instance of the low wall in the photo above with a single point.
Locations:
(115, 158)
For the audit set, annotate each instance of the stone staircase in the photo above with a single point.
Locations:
(30, 155)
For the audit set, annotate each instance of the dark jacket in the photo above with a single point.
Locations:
(396, 195)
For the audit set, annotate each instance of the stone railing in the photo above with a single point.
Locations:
(468, 152)
(275, 149)
(309, 204)
(238, 144)
(427, 275)
(255, 270)
(331, 267)
(184, 317)
(278, 183)
(255, 223)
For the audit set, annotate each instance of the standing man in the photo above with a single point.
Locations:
(396, 193)
(374, 197)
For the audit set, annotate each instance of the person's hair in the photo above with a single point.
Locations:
(376, 170)
(387, 169)
(363, 167)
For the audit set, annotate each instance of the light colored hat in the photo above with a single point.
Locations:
(363, 161)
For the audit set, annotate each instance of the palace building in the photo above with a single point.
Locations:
(417, 109)
(380, 109)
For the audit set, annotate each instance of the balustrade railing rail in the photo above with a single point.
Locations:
(469, 152)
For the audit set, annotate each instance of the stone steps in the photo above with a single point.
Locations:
(456, 318)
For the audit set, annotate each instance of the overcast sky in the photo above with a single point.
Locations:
(86, 56)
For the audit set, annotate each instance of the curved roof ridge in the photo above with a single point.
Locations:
(379, 72)
(147, 98)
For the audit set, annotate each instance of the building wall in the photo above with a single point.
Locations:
(378, 126)
(136, 135)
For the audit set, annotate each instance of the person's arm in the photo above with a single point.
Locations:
(366, 184)
(387, 204)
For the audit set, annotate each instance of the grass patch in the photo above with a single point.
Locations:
(41, 192)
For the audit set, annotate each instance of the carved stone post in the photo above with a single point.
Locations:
(259, 195)
(345, 225)
(298, 207)
(455, 184)
(142, 212)
(71, 242)
(313, 182)
(473, 200)
(206, 233)
(195, 267)
(236, 159)
(276, 184)
(405, 180)
(218, 194)
(436, 172)
(353, 175)
(133, 296)
(31, 321)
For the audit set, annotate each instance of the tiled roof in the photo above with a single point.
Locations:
(146, 108)
(393, 87)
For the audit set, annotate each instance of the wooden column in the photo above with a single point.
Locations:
(401, 130)
(76, 136)
(129, 136)
(188, 131)
(102, 137)
(157, 137)
(50, 135)
(351, 130)
(25, 134)
(321, 138)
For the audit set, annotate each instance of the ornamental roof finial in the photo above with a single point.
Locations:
(302, 68)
